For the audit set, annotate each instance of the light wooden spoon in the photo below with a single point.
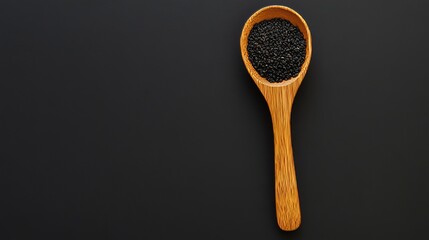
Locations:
(279, 97)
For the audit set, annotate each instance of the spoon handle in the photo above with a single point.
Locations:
(287, 201)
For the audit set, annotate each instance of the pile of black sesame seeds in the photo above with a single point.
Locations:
(276, 49)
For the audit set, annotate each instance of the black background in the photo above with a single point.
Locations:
(137, 120)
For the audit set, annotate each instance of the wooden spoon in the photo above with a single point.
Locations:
(279, 97)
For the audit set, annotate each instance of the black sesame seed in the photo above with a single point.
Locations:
(276, 49)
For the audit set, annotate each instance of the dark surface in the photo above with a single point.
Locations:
(138, 120)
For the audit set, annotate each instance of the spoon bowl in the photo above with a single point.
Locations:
(279, 97)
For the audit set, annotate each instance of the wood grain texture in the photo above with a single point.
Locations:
(279, 97)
